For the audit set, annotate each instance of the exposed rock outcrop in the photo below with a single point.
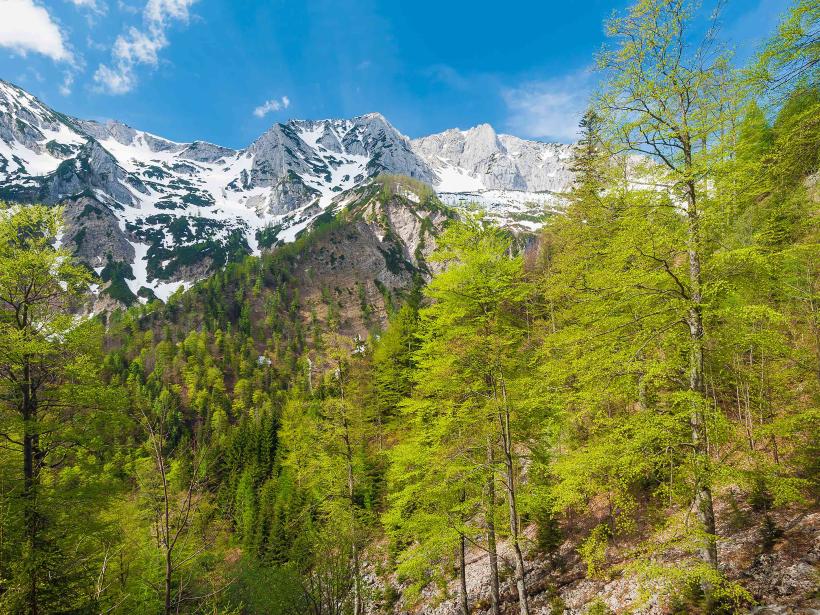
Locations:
(93, 232)
(781, 574)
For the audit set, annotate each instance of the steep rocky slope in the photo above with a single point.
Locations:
(774, 555)
(354, 267)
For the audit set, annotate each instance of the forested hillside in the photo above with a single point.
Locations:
(409, 411)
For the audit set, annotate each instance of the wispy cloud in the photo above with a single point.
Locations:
(68, 82)
(272, 105)
(449, 76)
(137, 46)
(549, 109)
(96, 6)
(27, 27)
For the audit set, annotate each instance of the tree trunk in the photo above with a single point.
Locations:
(462, 577)
(506, 438)
(357, 590)
(351, 491)
(31, 475)
(703, 492)
(166, 539)
(490, 522)
(814, 321)
(30, 516)
(169, 569)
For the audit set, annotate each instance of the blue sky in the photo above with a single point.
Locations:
(225, 70)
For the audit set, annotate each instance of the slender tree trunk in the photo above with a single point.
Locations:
(357, 590)
(506, 437)
(703, 492)
(166, 525)
(462, 577)
(30, 516)
(814, 321)
(169, 569)
(31, 476)
(357, 593)
(642, 401)
(490, 522)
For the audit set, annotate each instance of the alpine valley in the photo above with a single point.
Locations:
(150, 215)
(346, 372)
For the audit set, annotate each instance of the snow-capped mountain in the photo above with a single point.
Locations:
(513, 179)
(149, 214)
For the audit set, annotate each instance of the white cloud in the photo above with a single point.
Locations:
(137, 47)
(115, 80)
(160, 11)
(549, 109)
(27, 27)
(91, 5)
(272, 105)
(68, 81)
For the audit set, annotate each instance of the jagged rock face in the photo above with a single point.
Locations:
(188, 208)
(94, 234)
(414, 234)
(201, 151)
(388, 150)
(495, 162)
(25, 121)
(289, 194)
(125, 135)
(517, 181)
(93, 167)
(543, 166)
(275, 153)
(335, 153)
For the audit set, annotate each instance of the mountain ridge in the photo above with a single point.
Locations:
(171, 212)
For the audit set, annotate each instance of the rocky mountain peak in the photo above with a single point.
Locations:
(481, 160)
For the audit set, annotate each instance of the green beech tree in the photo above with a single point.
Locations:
(792, 56)
(51, 404)
(329, 438)
(667, 97)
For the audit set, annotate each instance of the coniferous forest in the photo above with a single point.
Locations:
(624, 403)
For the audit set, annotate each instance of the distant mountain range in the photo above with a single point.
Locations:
(159, 213)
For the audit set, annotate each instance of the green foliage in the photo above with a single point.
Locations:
(116, 273)
(598, 607)
(593, 549)
(791, 57)
(53, 414)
